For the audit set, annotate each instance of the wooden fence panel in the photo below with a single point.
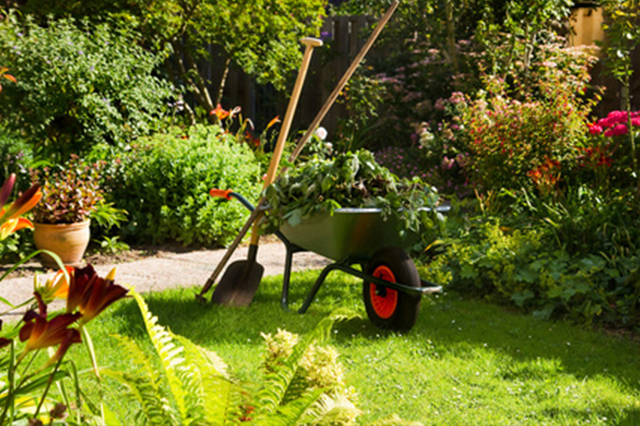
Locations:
(343, 39)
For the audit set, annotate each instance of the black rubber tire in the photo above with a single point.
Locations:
(386, 310)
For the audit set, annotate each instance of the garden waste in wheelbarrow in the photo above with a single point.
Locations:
(392, 287)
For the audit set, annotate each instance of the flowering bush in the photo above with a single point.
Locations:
(78, 85)
(609, 158)
(512, 130)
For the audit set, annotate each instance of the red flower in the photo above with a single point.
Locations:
(39, 333)
(595, 129)
(91, 294)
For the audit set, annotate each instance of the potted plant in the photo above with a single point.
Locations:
(70, 193)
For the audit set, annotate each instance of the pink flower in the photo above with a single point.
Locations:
(595, 129)
(617, 130)
(616, 117)
(447, 163)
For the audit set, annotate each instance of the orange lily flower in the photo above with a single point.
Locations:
(91, 294)
(273, 121)
(10, 220)
(39, 333)
(56, 287)
(220, 113)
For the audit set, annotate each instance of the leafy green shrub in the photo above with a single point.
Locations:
(166, 183)
(77, 85)
(576, 259)
(16, 156)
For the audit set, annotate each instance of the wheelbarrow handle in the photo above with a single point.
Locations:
(222, 193)
(228, 194)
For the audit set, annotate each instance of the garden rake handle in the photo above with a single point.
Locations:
(347, 75)
(310, 43)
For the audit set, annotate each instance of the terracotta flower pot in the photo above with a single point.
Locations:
(69, 241)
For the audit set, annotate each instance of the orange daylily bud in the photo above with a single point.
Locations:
(56, 287)
(23, 204)
(7, 187)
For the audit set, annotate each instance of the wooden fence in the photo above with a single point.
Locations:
(343, 37)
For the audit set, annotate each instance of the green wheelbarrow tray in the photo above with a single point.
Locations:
(354, 233)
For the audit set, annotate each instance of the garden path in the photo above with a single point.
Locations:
(167, 269)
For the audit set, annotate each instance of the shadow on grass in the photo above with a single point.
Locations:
(450, 322)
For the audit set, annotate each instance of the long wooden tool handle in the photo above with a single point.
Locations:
(347, 75)
(310, 43)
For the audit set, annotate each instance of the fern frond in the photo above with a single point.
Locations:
(331, 409)
(132, 353)
(155, 407)
(209, 389)
(280, 385)
(292, 413)
(168, 352)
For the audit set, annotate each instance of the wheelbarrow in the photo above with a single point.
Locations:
(392, 287)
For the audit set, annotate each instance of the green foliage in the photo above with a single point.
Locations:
(167, 180)
(77, 85)
(263, 38)
(193, 386)
(576, 257)
(16, 156)
(348, 180)
(623, 35)
(199, 390)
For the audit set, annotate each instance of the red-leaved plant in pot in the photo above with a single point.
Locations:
(71, 192)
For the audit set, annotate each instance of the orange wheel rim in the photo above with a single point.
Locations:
(385, 301)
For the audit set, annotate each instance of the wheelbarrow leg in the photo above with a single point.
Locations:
(314, 290)
(284, 301)
(288, 264)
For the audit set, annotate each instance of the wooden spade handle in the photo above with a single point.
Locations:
(310, 44)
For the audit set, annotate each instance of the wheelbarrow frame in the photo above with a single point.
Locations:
(345, 264)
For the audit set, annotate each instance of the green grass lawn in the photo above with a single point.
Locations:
(465, 362)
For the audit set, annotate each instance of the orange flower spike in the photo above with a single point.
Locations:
(273, 122)
(103, 293)
(40, 333)
(220, 112)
